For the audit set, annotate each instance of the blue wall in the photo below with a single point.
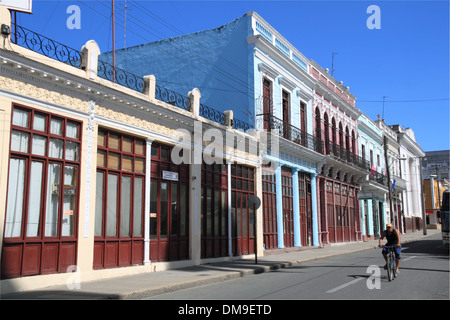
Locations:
(218, 62)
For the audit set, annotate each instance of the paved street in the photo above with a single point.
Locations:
(424, 274)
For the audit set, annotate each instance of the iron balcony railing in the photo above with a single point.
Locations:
(378, 177)
(291, 133)
(211, 114)
(172, 97)
(124, 78)
(45, 46)
(241, 125)
(346, 155)
(55, 50)
(294, 134)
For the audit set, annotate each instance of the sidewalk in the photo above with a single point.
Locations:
(147, 284)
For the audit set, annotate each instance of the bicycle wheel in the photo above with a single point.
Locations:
(389, 267)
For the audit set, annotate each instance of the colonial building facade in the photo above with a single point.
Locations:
(102, 169)
(272, 89)
(110, 170)
(336, 125)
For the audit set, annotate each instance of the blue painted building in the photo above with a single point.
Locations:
(246, 66)
(374, 189)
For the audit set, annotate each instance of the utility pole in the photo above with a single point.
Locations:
(424, 214)
(114, 42)
(388, 177)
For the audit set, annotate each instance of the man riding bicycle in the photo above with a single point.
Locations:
(393, 238)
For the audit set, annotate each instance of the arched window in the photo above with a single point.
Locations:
(318, 144)
(347, 139)
(318, 127)
(353, 142)
(333, 130)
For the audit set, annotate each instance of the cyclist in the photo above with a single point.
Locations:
(393, 238)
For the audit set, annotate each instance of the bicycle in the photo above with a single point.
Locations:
(390, 262)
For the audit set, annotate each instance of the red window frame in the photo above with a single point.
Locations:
(121, 156)
(42, 253)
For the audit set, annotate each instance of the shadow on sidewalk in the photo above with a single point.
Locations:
(60, 295)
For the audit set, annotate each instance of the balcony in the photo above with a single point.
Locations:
(289, 132)
(296, 135)
(378, 177)
(346, 155)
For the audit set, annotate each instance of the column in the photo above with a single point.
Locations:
(315, 221)
(279, 196)
(369, 218)
(195, 185)
(383, 214)
(297, 237)
(148, 173)
(363, 217)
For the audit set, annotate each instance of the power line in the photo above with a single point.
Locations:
(405, 101)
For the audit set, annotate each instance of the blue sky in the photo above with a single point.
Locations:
(406, 60)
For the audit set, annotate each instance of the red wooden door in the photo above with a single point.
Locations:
(269, 210)
(288, 209)
(214, 211)
(242, 217)
(302, 208)
(169, 207)
(309, 211)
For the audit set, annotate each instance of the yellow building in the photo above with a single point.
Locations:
(432, 201)
(104, 174)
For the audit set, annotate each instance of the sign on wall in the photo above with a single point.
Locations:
(169, 175)
(17, 5)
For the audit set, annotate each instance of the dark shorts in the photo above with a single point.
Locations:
(397, 251)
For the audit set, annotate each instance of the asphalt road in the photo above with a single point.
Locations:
(424, 274)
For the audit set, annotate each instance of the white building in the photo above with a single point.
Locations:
(374, 189)
(410, 154)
